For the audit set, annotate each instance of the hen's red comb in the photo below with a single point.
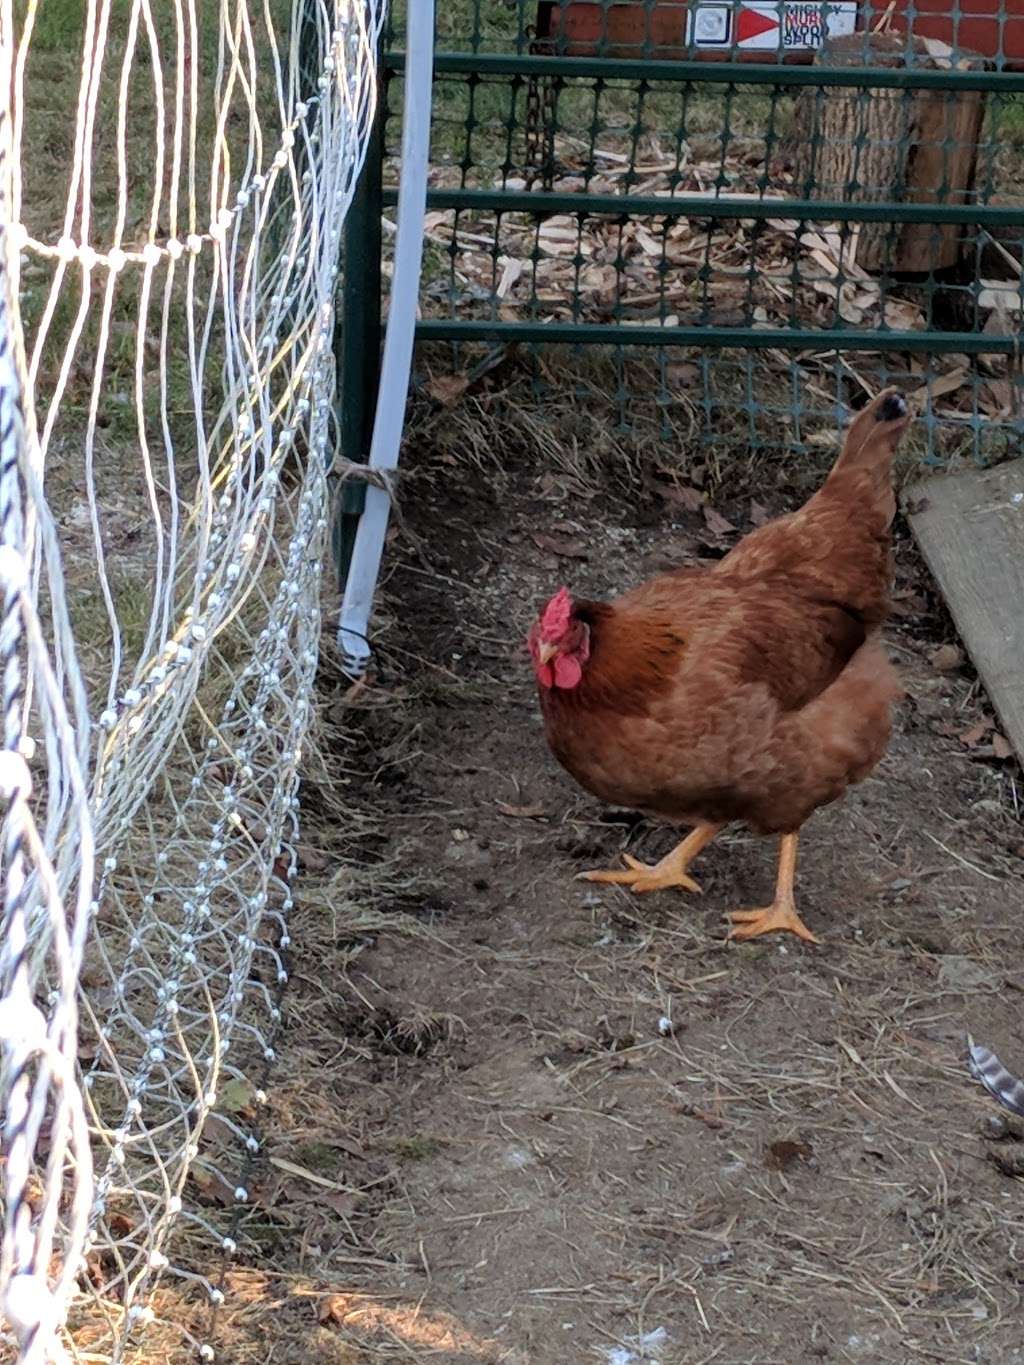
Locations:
(554, 621)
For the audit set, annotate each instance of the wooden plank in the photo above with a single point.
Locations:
(970, 528)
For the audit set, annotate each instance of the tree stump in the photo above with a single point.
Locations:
(897, 146)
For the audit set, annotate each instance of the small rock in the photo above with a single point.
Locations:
(1002, 1128)
(469, 855)
(964, 973)
(518, 1158)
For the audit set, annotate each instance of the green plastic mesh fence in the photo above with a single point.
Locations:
(733, 220)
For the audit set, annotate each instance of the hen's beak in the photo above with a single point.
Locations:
(547, 651)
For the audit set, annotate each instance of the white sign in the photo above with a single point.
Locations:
(711, 25)
(770, 25)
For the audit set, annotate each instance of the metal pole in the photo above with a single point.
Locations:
(358, 339)
(385, 447)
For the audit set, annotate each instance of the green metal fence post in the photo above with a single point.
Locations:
(358, 338)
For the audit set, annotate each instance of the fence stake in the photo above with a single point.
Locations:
(368, 544)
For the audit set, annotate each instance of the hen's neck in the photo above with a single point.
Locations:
(633, 658)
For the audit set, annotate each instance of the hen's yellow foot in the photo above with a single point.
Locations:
(781, 916)
(669, 872)
(643, 876)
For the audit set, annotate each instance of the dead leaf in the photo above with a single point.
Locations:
(716, 523)
(447, 389)
(96, 1270)
(975, 734)
(1001, 746)
(312, 859)
(779, 1156)
(667, 561)
(344, 1205)
(560, 545)
(682, 374)
(681, 494)
(353, 1148)
(902, 316)
(908, 604)
(217, 1132)
(334, 1308)
(949, 383)
(946, 658)
(212, 1186)
(291, 1168)
(998, 397)
(758, 514)
(521, 812)
(119, 1225)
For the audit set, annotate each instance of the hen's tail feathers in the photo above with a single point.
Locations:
(871, 442)
(848, 725)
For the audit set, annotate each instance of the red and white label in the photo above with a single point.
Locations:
(753, 24)
(775, 25)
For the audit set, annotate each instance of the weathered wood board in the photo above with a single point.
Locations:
(970, 528)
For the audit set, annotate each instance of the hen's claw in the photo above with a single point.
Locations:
(669, 872)
(643, 876)
(781, 916)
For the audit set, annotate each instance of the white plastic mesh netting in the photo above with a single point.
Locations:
(173, 183)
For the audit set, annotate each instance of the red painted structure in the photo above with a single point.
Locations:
(638, 29)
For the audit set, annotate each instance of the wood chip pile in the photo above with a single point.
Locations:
(774, 274)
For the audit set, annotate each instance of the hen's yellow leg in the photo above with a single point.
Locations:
(671, 871)
(781, 914)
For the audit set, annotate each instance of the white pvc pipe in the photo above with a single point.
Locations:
(353, 628)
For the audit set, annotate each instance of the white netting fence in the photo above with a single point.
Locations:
(173, 184)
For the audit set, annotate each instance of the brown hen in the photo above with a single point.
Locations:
(754, 691)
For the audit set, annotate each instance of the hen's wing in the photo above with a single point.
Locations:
(798, 641)
(780, 630)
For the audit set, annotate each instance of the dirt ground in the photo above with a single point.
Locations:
(537, 1120)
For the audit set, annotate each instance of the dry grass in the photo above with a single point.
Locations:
(346, 1250)
(513, 406)
(798, 1169)
(175, 819)
(642, 1209)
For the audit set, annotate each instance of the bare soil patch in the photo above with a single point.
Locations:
(557, 1122)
